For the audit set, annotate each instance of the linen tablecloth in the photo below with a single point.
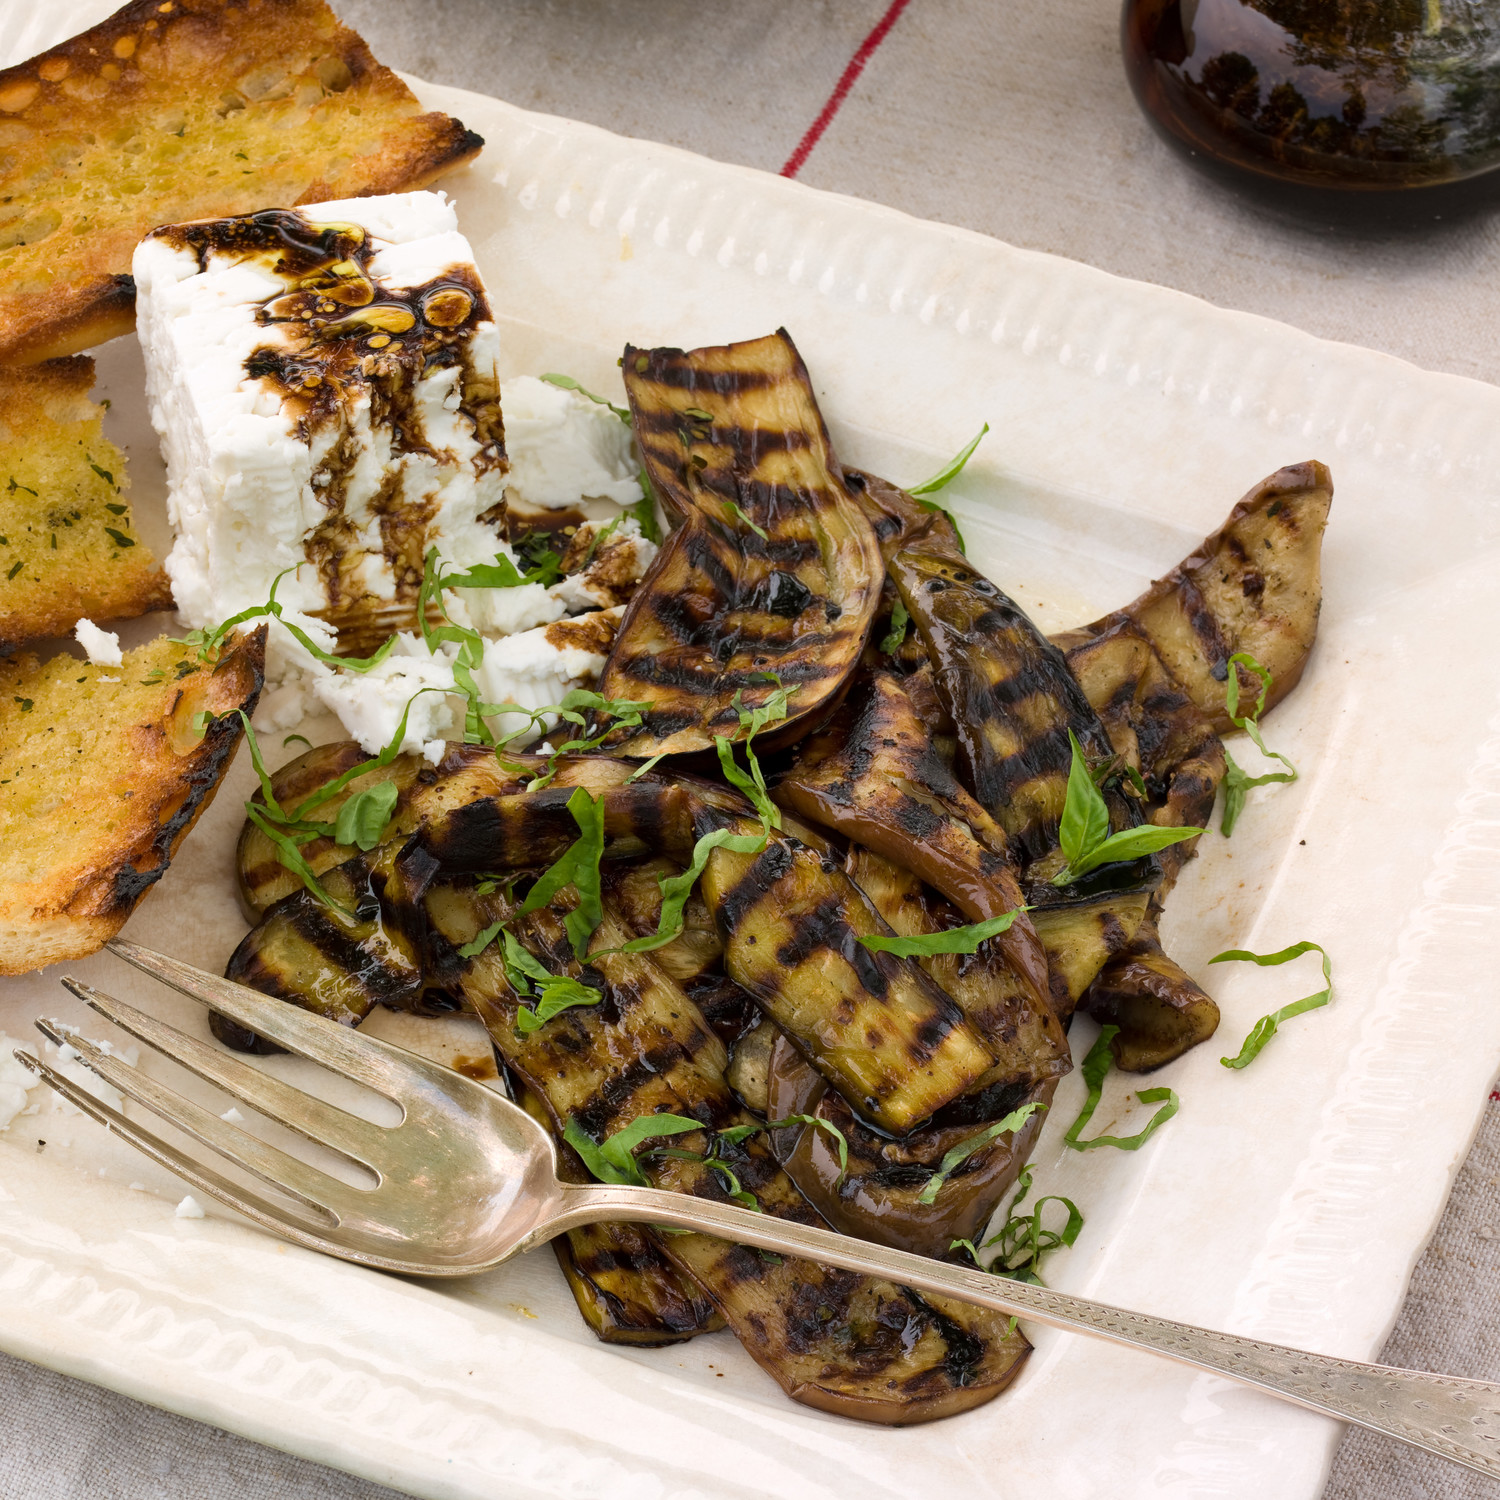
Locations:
(1008, 118)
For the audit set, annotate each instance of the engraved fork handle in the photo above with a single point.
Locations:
(1455, 1418)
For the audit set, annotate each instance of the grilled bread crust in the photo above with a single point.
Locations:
(67, 547)
(173, 110)
(102, 774)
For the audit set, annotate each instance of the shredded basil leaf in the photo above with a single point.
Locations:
(613, 1160)
(557, 993)
(272, 609)
(290, 855)
(1237, 783)
(735, 1134)
(567, 383)
(895, 637)
(955, 1158)
(577, 866)
(944, 477)
(644, 511)
(362, 819)
(201, 720)
(950, 470)
(644, 766)
(740, 515)
(1023, 1239)
(953, 940)
(289, 738)
(482, 941)
(1095, 1066)
(625, 712)
(1084, 832)
(1265, 1028)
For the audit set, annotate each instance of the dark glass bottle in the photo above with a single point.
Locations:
(1347, 113)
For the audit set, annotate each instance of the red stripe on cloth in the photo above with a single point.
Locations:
(850, 76)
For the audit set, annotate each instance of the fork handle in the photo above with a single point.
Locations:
(1455, 1418)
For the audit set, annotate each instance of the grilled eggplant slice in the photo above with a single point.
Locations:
(338, 961)
(1010, 696)
(625, 1288)
(1157, 730)
(772, 567)
(877, 1027)
(878, 1197)
(873, 774)
(1160, 1010)
(1254, 585)
(848, 1344)
(1020, 1028)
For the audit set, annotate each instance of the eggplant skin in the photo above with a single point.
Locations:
(1254, 585)
(734, 445)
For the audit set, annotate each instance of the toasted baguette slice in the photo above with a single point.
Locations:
(102, 773)
(185, 109)
(67, 546)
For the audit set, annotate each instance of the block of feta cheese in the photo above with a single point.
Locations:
(324, 382)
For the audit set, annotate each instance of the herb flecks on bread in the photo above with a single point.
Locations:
(103, 770)
(68, 546)
(182, 109)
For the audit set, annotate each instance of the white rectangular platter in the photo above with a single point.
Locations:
(1287, 1201)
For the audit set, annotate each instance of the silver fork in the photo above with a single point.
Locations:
(467, 1179)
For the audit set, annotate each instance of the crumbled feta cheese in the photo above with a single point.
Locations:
(102, 647)
(564, 448)
(190, 1208)
(15, 1080)
(233, 1116)
(370, 704)
(616, 568)
(531, 672)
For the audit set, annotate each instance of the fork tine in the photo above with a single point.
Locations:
(232, 1195)
(363, 1059)
(280, 1171)
(324, 1123)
